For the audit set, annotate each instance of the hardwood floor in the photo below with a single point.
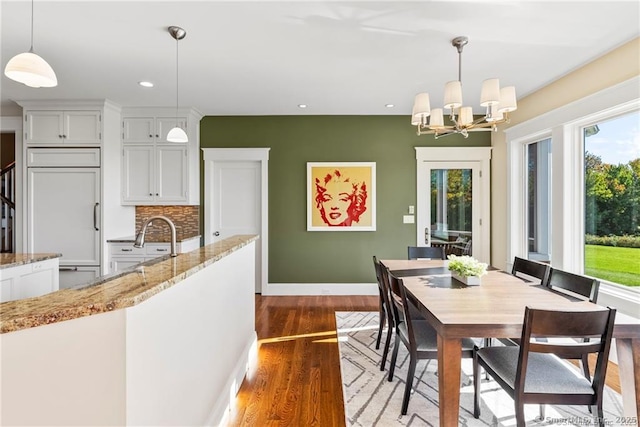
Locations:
(297, 381)
(297, 378)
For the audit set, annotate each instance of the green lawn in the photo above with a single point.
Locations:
(619, 265)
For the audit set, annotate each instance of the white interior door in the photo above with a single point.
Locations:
(236, 201)
(453, 203)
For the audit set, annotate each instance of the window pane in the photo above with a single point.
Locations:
(451, 210)
(612, 200)
(539, 200)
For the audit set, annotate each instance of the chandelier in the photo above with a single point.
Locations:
(499, 102)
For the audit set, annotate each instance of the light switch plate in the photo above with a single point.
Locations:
(408, 219)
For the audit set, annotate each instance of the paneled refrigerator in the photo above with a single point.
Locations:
(63, 209)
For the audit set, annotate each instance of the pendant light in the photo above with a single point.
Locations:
(177, 134)
(29, 68)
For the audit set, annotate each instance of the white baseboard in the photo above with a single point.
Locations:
(220, 411)
(273, 289)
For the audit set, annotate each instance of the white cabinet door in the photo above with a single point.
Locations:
(138, 172)
(44, 127)
(119, 264)
(138, 129)
(73, 276)
(82, 127)
(171, 181)
(63, 127)
(63, 213)
(165, 124)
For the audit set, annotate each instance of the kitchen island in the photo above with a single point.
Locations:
(165, 344)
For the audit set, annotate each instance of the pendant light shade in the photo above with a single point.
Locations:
(31, 70)
(177, 134)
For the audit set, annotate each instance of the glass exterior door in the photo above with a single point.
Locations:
(451, 210)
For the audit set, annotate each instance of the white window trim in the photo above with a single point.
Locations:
(564, 125)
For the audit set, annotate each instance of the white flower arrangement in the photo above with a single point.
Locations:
(466, 266)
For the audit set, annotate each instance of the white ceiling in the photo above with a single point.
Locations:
(266, 57)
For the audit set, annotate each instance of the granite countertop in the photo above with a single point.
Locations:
(13, 260)
(151, 239)
(115, 292)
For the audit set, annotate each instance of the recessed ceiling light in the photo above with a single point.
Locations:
(389, 105)
(145, 84)
(302, 105)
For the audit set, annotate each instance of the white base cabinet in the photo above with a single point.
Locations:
(29, 280)
(124, 255)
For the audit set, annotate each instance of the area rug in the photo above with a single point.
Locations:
(370, 400)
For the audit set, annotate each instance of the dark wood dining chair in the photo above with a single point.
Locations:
(386, 317)
(527, 269)
(417, 335)
(425, 252)
(535, 371)
(582, 287)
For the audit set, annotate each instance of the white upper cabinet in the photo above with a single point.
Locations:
(155, 171)
(154, 175)
(53, 127)
(149, 129)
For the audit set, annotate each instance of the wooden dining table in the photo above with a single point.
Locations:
(495, 309)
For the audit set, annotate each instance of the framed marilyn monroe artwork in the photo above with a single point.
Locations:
(341, 196)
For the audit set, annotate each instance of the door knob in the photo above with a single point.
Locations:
(217, 233)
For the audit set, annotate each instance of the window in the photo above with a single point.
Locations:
(584, 134)
(539, 200)
(612, 199)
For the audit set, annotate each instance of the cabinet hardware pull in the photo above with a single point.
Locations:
(150, 194)
(157, 194)
(67, 268)
(95, 216)
(157, 136)
(126, 250)
(59, 136)
(150, 136)
(161, 250)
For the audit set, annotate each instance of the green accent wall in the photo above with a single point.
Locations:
(300, 256)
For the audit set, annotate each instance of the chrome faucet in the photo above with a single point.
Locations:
(140, 237)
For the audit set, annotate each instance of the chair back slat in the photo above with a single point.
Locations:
(586, 287)
(530, 268)
(425, 252)
(568, 323)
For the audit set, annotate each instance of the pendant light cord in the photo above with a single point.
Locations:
(31, 49)
(177, 82)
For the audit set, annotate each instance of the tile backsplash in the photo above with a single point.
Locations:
(186, 219)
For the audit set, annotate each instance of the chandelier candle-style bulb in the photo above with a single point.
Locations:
(507, 99)
(466, 116)
(437, 120)
(490, 93)
(453, 95)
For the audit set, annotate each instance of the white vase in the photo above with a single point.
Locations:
(467, 280)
